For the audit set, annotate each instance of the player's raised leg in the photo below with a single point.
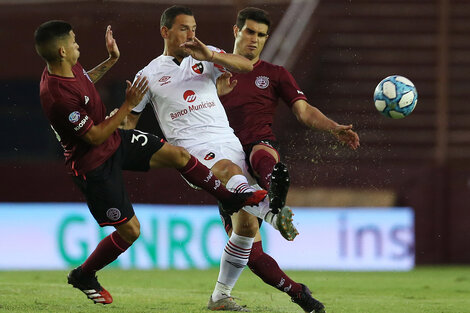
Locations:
(198, 174)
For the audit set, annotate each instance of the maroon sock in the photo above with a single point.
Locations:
(266, 268)
(263, 163)
(198, 174)
(106, 252)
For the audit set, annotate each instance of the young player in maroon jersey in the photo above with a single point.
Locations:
(250, 107)
(96, 152)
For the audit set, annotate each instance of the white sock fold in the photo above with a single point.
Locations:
(238, 183)
(234, 259)
(271, 218)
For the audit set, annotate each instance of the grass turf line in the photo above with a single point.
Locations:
(423, 290)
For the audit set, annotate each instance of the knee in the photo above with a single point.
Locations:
(225, 169)
(180, 157)
(130, 233)
(247, 228)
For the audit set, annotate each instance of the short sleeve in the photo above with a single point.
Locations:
(217, 69)
(289, 91)
(146, 99)
(72, 117)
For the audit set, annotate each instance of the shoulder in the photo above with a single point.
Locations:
(215, 49)
(152, 68)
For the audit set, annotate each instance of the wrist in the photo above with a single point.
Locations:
(212, 56)
(112, 59)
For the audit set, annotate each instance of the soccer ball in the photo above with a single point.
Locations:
(395, 96)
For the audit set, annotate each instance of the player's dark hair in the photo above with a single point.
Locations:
(46, 36)
(168, 16)
(255, 14)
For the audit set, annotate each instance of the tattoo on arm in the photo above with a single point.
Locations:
(98, 72)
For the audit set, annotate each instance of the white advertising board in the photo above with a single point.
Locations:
(62, 235)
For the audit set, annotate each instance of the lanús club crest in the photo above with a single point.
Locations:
(262, 82)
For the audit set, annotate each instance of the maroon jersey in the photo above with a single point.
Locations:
(251, 105)
(72, 106)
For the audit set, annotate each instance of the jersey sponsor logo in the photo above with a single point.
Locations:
(204, 105)
(74, 116)
(300, 92)
(191, 108)
(209, 156)
(82, 122)
(178, 114)
(189, 96)
(164, 80)
(262, 82)
(198, 68)
(113, 214)
(86, 99)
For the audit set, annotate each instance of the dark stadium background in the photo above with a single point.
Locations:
(422, 161)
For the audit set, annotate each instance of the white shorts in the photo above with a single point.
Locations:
(210, 153)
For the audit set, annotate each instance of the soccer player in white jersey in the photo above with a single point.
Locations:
(182, 90)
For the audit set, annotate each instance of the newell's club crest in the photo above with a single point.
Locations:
(198, 68)
(209, 156)
(262, 82)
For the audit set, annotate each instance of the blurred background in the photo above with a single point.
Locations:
(338, 51)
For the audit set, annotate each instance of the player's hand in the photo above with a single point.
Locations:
(111, 44)
(197, 50)
(224, 85)
(346, 135)
(135, 91)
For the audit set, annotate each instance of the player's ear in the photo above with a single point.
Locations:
(164, 32)
(235, 30)
(62, 52)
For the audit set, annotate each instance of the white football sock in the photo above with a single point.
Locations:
(233, 261)
(238, 183)
(271, 218)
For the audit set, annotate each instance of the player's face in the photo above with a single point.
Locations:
(70, 47)
(250, 40)
(183, 30)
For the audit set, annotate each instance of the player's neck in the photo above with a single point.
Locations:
(61, 69)
(255, 60)
(167, 52)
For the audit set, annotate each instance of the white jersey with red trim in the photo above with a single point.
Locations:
(185, 101)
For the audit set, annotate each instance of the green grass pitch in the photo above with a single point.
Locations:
(423, 290)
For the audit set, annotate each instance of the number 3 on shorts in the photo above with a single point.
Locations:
(137, 137)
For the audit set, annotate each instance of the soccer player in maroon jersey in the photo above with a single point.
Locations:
(250, 101)
(96, 151)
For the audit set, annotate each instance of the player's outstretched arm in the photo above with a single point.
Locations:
(113, 51)
(314, 118)
(97, 134)
(233, 62)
